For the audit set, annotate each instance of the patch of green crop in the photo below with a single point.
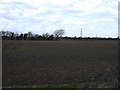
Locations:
(79, 85)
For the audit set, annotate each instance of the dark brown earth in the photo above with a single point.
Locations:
(28, 63)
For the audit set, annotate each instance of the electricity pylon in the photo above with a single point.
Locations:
(81, 33)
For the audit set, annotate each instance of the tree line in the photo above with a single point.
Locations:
(57, 35)
(8, 35)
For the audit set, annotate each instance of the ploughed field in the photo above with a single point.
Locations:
(37, 63)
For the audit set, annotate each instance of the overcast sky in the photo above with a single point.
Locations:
(96, 17)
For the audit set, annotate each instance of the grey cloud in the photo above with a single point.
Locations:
(16, 5)
(21, 5)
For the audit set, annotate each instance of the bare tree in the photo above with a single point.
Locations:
(59, 33)
(3, 33)
(30, 34)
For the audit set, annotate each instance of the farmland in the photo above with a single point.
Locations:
(69, 62)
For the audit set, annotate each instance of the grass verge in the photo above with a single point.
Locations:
(82, 85)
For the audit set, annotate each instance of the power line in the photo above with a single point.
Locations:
(4, 27)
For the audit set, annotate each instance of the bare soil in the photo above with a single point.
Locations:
(29, 63)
